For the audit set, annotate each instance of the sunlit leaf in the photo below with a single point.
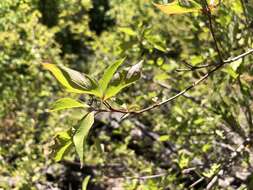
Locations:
(85, 182)
(214, 168)
(72, 80)
(164, 138)
(108, 74)
(123, 80)
(228, 69)
(179, 7)
(127, 31)
(66, 103)
(81, 134)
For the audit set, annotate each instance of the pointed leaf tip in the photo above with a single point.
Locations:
(67, 103)
(108, 74)
(124, 79)
(81, 134)
(73, 80)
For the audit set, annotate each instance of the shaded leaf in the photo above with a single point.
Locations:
(72, 80)
(108, 74)
(99, 146)
(62, 144)
(123, 80)
(81, 134)
(66, 103)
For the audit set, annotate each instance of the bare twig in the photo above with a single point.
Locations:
(197, 182)
(148, 177)
(210, 25)
(194, 68)
(193, 85)
(196, 82)
(212, 182)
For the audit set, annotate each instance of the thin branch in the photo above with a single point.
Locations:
(210, 25)
(207, 11)
(245, 12)
(148, 177)
(193, 68)
(231, 60)
(196, 82)
(197, 182)
(212, 182)
(193, 85)
(177, 91)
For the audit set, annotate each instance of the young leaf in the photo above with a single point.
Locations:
(123, 80)
(81, 134)
(62, 144)
(108, 74)
(128, 31)
(85, 182)
(179, 7)
(66, 103)
(72, 80)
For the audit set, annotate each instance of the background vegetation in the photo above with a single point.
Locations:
(200, 140)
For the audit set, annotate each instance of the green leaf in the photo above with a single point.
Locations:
(228, 69)
(85, 182)
(81, 134)
(195, 59)
(108, 74)
(62, 144)
(213, 170)
(179, 7)
(164, 138)
(249, 9)
(236, 64)
(123, 80)
(99, 147)
(66, 103)
(127, 31)
(72, 80)
(156, 41)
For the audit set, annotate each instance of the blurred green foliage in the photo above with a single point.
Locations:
(201, 131)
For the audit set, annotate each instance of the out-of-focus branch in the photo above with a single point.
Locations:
(207, 11)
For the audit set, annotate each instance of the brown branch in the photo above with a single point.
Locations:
(231, 60)
(193, 68)
(210, 25)
(196, 82)
(148, 177)
(207, 11)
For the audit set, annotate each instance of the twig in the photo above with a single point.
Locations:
(210, 23)
(231, 60)
(212, 182)
(177, 91)
(197, 182)
(148, 177)
(194, 68)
